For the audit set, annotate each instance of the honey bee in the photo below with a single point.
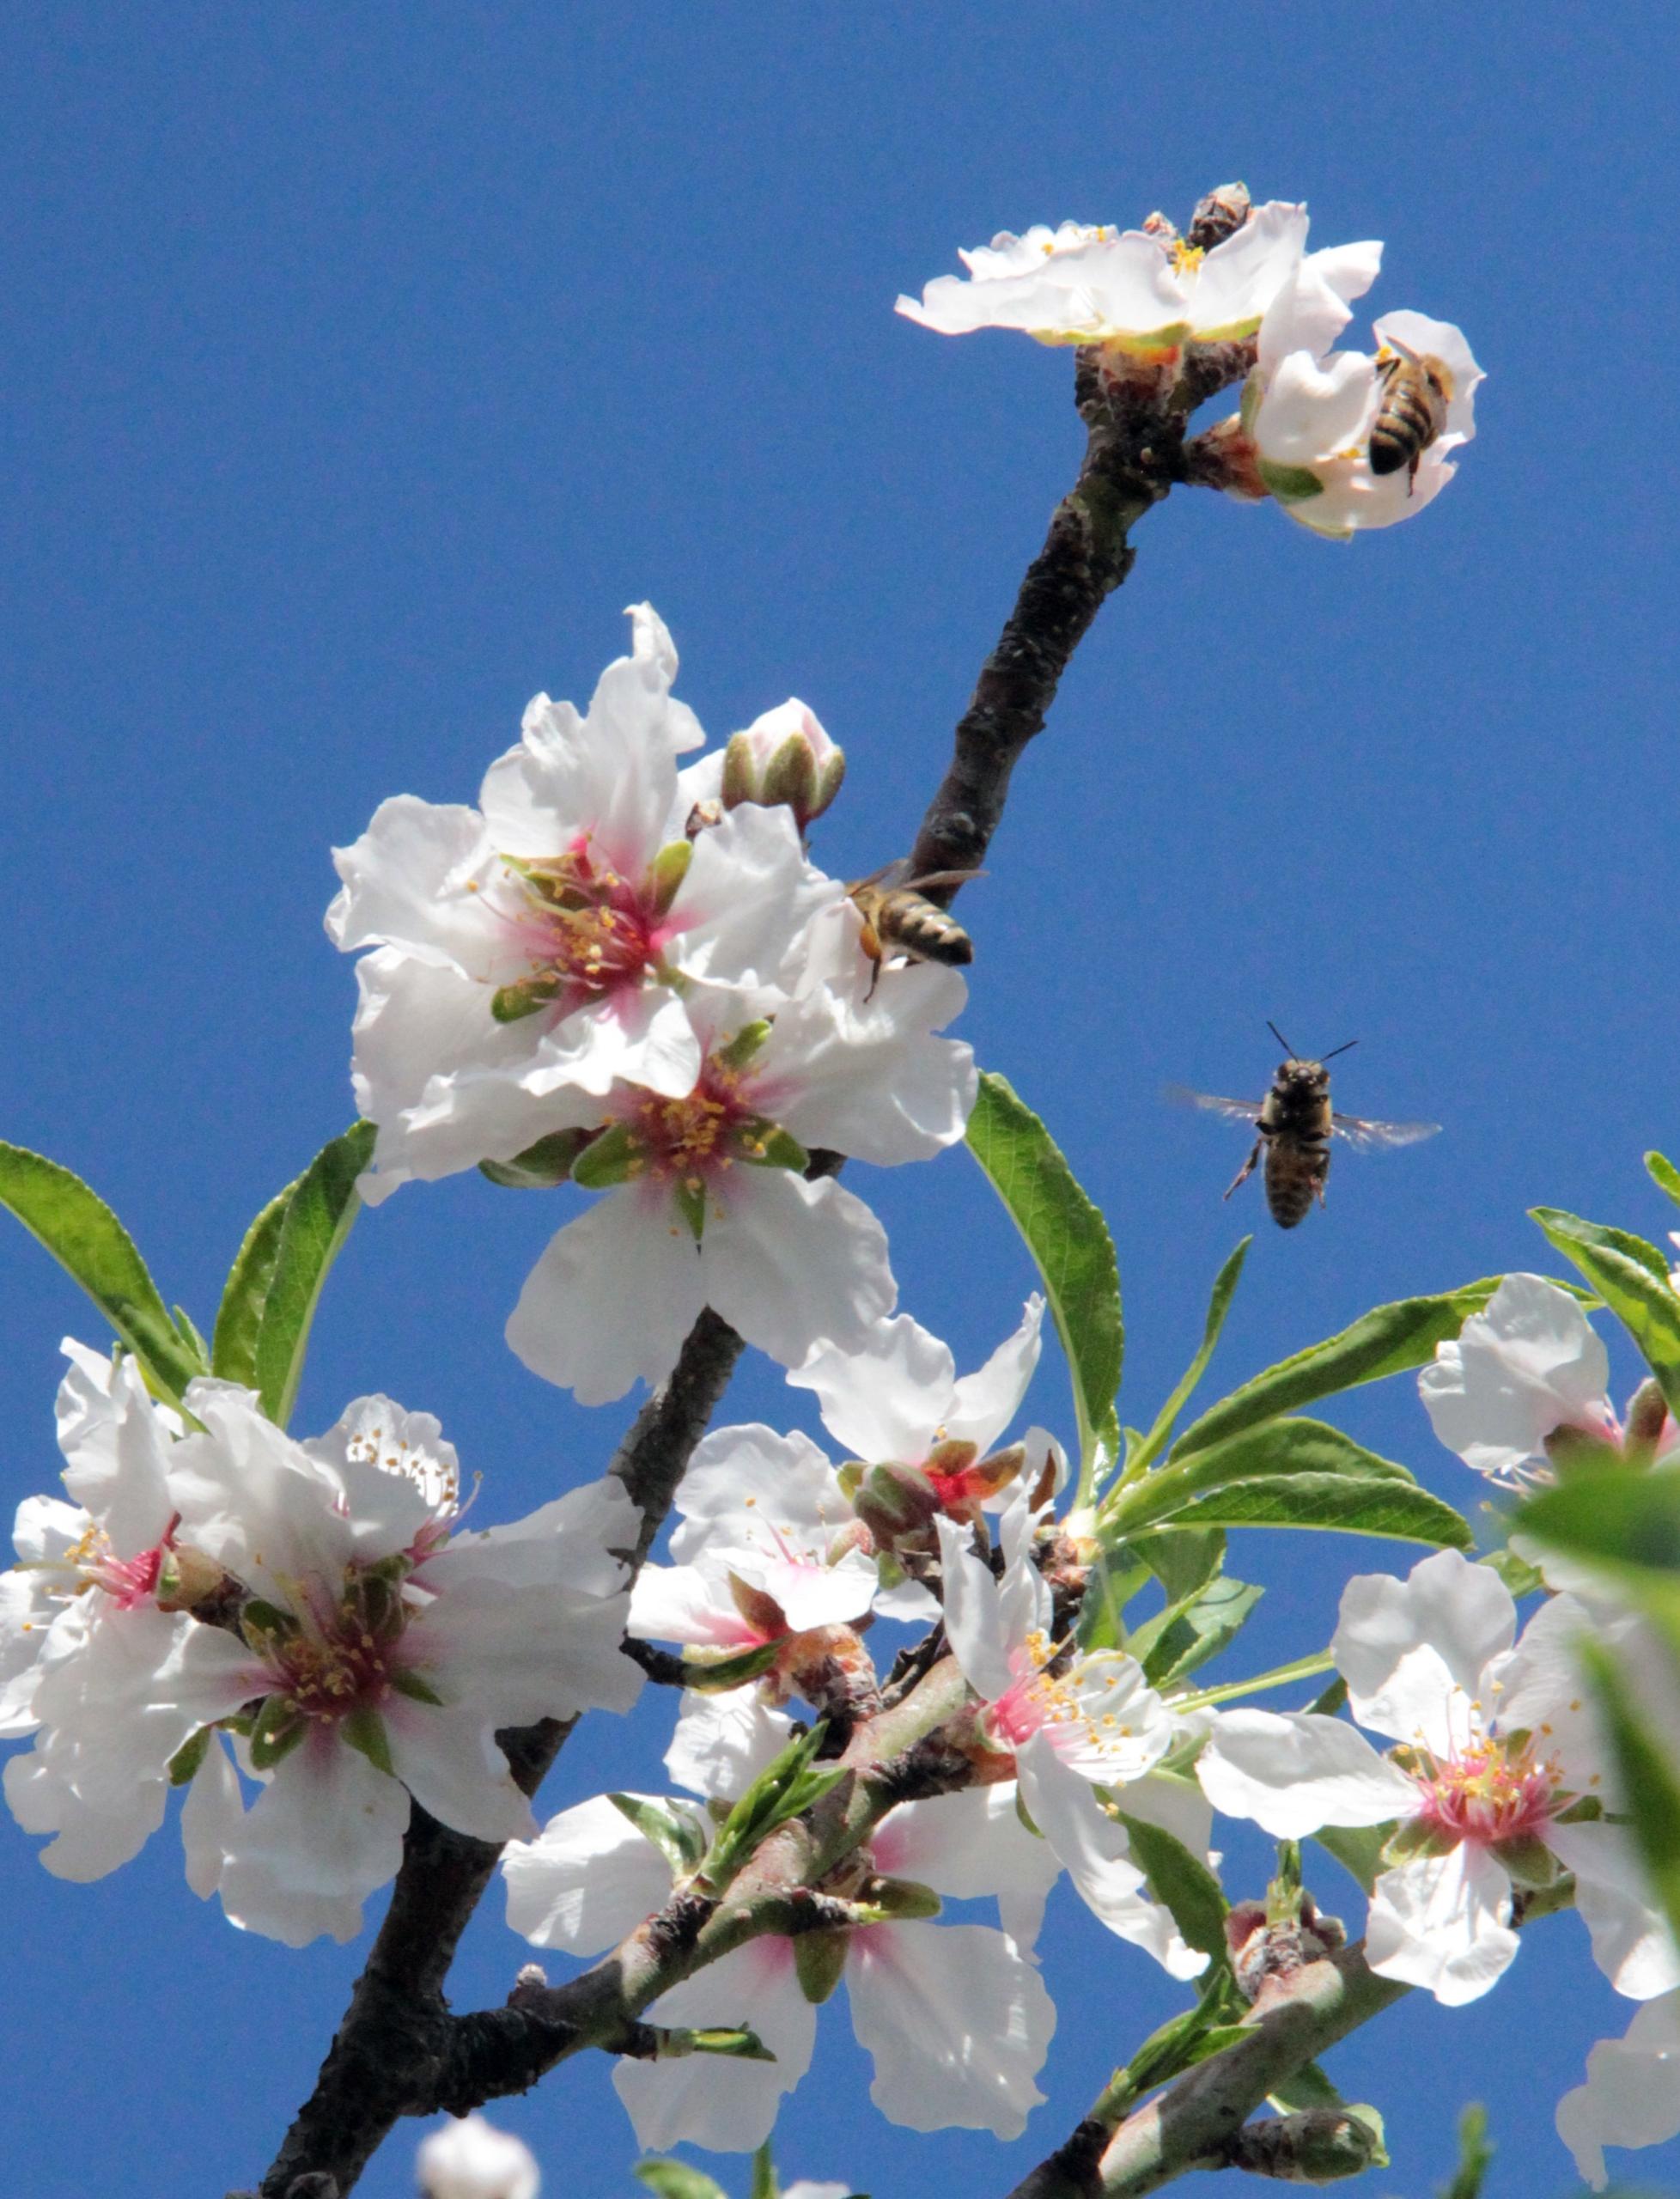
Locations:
(1416, 390)
(1296, 1124)
(900, 924)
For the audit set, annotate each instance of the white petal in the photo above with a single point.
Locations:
(870, 1079)
(320, 1838)
(884, 1400)
(256, 1501)
(1528, 1363)
(117, 1445)
(610, 1300)
(90, 1840)
(1403, 1645)
(1239, 277)
(749, 1489)
(687, 1603)
(957, 2022)
(722, 1742)
(1632, 2092)
(518, 1654)
(974, 1619)
(587, 1881)
(701, 2099)
(473, 2160)
(1631, 1942)
(747, 892)
(970, 1845)
(789, 1262)
(815, 1595)
(212, 1817)
(1292, 1773)
(447, 1760)
(985, 1403)
(405, 884)
(1093, 1847)
(1440, 1921)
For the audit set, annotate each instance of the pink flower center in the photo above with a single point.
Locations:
(328, 1668)
(1488, 1792)
(691, 1141)
(1034, 1700)
(127, 1581)
(587, 929)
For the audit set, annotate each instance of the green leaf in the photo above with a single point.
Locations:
(1648, 1777)
(1278, 1448)
(540, 1166)
(1069, 1240)
(674, 1830)
(1393, 1509)
(1631, 1277)
(1628, 1524)
(1357, 1849)
(1185, 1561)
(669, 2179)
(1303, 2088)
(1474, 2154)
(763, 2184)
(280, 1284)
(1387, 1341)
(92, 1246)
(1224, 1287)
(1183, 1883)
(1663, 1175)
(239, 1318)
(1114, 1581)
(1187, 1636)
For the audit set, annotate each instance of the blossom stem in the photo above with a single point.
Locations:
(1304, 1668)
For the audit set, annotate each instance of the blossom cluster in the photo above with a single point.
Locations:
(624, 969)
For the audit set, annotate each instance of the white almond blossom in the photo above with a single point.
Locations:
(553, 940)
(1310, 410)
(1074, 1722)
(1528, 1366)
(1632, 2092)
(1139, 290)
(473, 2160)
(361, 1652)
(706, 1203)
(1498, 1746)
(955, 2016)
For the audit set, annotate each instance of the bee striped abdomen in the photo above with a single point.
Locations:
(1413, 413)
(1295, 1173)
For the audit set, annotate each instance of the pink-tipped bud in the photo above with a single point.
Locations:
(784, 757)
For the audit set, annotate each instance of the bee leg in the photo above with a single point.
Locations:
(875, 968)
(1248, 1166)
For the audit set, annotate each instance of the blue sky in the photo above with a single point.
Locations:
(360, 364)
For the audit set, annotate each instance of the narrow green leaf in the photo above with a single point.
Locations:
(675, 1831)
(1184, 1561)
(319, 1213)
(1663, 1175)
(1114, 1581)
(1184, 1882)
(669, 2179)
(1225, 1288)
(1631, 1277)
(1278, 1448)
(763, 2184)
(187, 1330)
(1333, 1503)
(1069, 1240)
(1648, 1777)
(240, 1316)
(1474, 2154)
(88, 1242)
(1187, 1636)
(1357, 1849)
(1387, 1341)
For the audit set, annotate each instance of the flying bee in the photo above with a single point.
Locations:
(900, 924)
(1295, 1124)
(1417, 388)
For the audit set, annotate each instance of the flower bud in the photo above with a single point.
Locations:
(186, 1577)
(1578, 1450)
(783, 757)
(1647, 1412)
(1320, 2145)
(897, 1503)
(819, 1960)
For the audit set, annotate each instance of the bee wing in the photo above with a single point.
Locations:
(927, 878)
(1245, 1111)
(1376, 1137)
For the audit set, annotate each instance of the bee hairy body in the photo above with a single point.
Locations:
(901, 923)
(1294, 1130)
(1415, 392)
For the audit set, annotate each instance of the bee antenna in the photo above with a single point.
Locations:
(1280, 1038)
(1335, 1051)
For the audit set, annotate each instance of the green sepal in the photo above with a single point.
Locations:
(690, 1204)
(667, 871)
(745, 1045)
(1530, 1861)
(541, 1166)
(1413, 1838)
(406, 1681)
(1357, 1849)
(265, 1623)
(774, 1147)
(790, 775)
(364, 1732)
(525, 996)
(1254, 388)
(740, 779)
(819, 1962)
(610, 1157)
(1290, 484)
(280, 1726)
(717, 1676)
(901, 1900)
(183, 1766)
